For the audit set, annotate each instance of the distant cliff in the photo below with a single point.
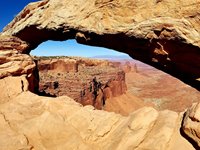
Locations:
(87, 81)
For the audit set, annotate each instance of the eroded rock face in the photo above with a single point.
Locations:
(13, 61)
(191, 125)
(57, 65)
(12, 87)
(162, 33)
(48, 123)
(87, 81)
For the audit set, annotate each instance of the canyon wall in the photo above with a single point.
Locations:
(57, 64)
(87, 81)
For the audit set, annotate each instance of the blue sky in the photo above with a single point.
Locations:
(71, 48)
(10, 8)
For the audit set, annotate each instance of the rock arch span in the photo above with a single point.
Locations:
(162, 35)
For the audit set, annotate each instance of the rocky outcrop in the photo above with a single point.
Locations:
(162, 33)
(116, 86)
(191, 124)
(127, 67)
(12, 87)
(28, 121)
(98, 92)
(88, 62)
(13, 61)
(57, 64)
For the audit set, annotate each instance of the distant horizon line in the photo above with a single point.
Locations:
(95, 56)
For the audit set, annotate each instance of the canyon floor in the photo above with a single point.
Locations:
(148, 86)
(160, 89)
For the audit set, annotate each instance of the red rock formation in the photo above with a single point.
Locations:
(91, 62)
(116, 86)
(126, 67)
(82, 86)
(98, 92)
(115, 64)
(57, 64)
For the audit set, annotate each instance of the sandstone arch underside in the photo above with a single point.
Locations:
(165, 34)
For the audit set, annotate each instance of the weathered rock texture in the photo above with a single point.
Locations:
(191, 124)
(163, 33)
(28, 121)
(13, 61)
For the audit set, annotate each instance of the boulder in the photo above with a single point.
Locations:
(191, 124)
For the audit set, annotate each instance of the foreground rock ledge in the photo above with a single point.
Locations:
(191, 124)
(28, 121)
(163, 33)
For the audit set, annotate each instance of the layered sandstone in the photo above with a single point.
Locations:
(163, 33)
(191, 124)
(88, 81)
(57, 64)
(13, 61)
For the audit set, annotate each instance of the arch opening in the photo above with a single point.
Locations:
(168, 55)
(72, 48)
(80, 72)
(115, 83)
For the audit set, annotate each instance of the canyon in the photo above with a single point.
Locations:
(163, 33)
(87, 81)
(116, 85)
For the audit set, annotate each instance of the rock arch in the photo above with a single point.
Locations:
(163, 33)
(148, 31)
